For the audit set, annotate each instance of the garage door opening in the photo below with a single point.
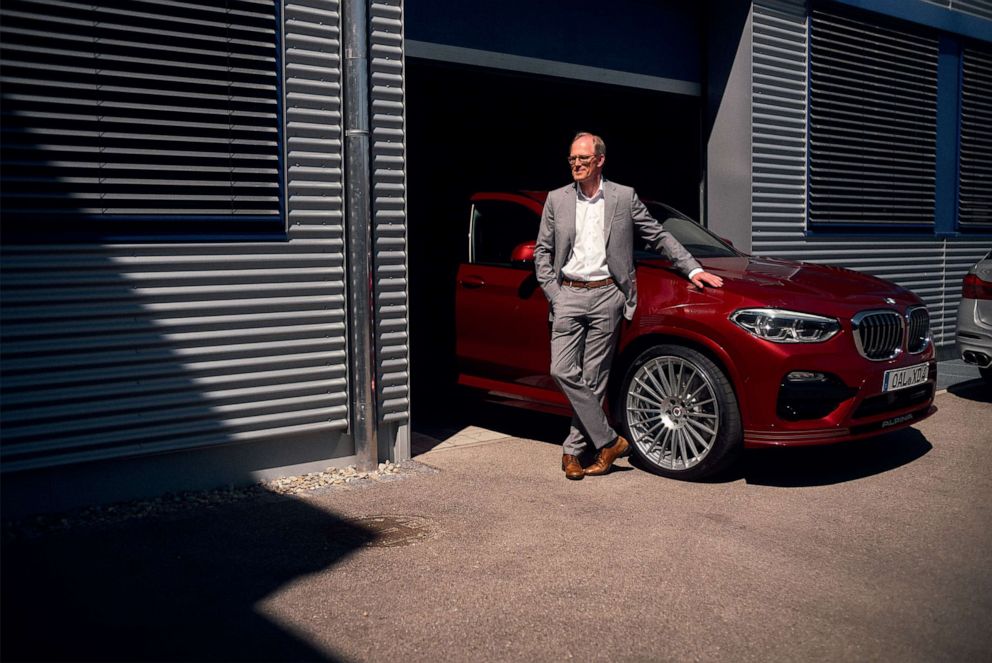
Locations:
(471, 129)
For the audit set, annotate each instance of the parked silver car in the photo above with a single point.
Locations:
(974, 332)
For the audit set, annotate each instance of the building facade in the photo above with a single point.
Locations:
(211, 269)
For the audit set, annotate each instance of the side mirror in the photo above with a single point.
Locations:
(524, 252)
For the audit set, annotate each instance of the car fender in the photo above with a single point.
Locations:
(644, 331)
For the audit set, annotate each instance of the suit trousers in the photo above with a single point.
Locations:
(583, 340)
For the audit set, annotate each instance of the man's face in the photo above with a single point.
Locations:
(582, 159)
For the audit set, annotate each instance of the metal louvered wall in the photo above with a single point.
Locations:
(117, 350)
(389, 209)
(931, 267)
(975, 190)
(980, 8)
(156, 109)
(872, 123)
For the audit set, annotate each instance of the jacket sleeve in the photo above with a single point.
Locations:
(544, 253)
(659, 238)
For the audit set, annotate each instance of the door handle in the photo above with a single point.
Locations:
(472, 282)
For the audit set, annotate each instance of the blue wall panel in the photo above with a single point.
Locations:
(652, 38)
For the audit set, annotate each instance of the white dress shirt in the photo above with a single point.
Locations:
(587, 261)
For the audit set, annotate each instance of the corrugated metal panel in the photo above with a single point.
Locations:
(153, 108)
(126, 349)
(975, 185)
(981, 8)
(872, 123)
(389, 209)
(931, 267)
(778, 126)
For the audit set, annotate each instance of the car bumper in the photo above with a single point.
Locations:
(973, 337)
(858, 408)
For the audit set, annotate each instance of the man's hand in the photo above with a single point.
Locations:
(705, 278)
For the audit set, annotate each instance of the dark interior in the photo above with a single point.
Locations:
(472, 129)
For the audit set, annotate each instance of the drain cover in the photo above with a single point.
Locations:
(383, 531)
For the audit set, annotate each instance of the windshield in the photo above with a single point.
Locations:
(700, 242)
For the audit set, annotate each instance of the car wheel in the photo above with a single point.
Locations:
(679, 411)
(986, 375)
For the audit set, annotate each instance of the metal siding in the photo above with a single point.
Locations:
(980, 8)
(872, 123)
(389, 209)
(931, 267)
(975, 188)
(154, 109)
(126, 349)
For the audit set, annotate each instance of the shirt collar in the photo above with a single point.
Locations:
(596, 196)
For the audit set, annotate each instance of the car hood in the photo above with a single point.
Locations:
(785, 283)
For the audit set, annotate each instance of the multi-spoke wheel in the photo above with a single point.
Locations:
(679, 411)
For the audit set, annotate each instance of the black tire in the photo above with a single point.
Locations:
(986, 375)
(679, 412)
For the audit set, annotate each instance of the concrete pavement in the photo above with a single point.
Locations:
(878, 550)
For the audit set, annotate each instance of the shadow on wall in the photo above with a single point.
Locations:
(172, 588)
(152, 299)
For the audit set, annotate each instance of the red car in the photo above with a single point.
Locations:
(786, 353)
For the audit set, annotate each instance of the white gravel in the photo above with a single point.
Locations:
(332, 478)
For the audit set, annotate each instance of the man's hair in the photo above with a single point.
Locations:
(598, 145)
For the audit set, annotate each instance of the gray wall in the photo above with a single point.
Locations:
(131, 351)
(929, 266)
(727, 130)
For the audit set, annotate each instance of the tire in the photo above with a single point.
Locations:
(679, 412)
(986, 375)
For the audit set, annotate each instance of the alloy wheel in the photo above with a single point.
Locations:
(673, 413)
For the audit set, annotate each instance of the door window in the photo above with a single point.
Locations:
(498, 226)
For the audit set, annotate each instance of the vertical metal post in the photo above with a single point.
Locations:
(361, 311)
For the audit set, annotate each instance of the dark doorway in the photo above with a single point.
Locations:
(472, 129)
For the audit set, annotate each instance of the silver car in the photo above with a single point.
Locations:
(974, 332)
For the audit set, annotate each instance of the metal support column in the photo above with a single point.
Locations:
(361, 311)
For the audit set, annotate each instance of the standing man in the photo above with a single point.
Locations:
(584, 259)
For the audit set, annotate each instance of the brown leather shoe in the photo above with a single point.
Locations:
(606, 456)
(573, 470)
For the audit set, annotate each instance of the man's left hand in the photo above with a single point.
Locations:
(705, 278)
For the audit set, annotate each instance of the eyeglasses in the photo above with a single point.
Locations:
(582, 159)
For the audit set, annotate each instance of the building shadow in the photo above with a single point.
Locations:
(172, 588)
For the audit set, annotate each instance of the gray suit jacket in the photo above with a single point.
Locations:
(623, 212)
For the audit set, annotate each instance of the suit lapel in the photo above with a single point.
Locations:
(609, 208)
(568, 218)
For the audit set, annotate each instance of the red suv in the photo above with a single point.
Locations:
(786, 353)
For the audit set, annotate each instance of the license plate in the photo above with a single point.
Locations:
(901, 378)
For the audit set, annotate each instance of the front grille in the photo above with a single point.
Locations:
(878, 334)
(918, 332)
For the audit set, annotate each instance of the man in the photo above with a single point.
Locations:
(584, 259)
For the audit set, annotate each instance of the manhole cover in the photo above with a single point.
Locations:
(383, 531)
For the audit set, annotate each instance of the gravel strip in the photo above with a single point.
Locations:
(178, 503)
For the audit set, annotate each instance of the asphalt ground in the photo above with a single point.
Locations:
(877, 550)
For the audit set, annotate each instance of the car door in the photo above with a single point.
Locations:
(501, 313)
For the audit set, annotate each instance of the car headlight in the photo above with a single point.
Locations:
(781, 326)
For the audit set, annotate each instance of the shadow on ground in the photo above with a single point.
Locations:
(510, 421)
(785, 467)
(973, 390)
(177, 588)
(831, 464)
